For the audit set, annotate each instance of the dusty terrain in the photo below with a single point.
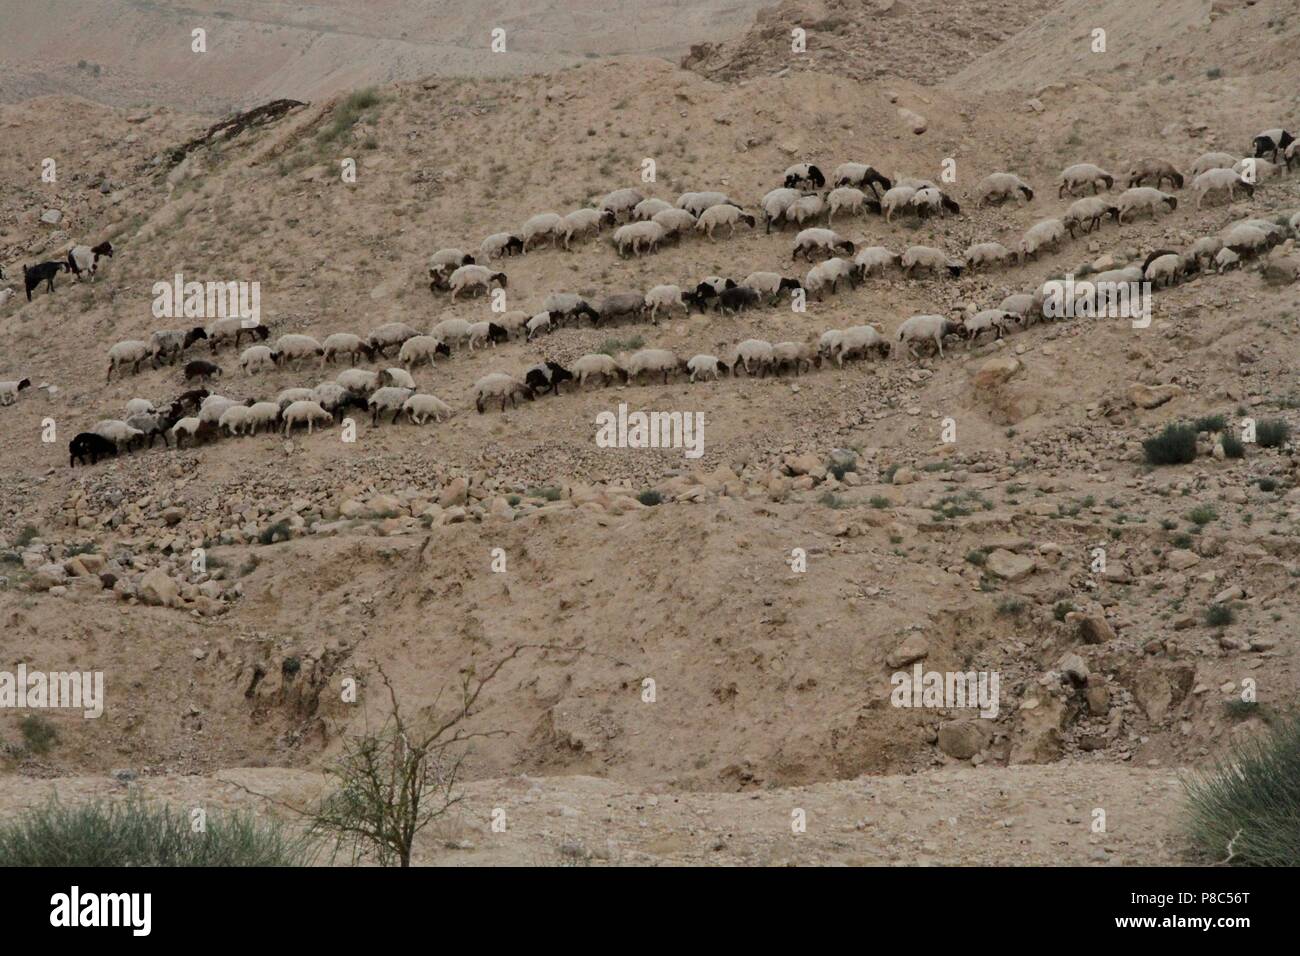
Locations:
(773, 687)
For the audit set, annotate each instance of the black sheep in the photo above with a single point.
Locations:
(547, 378)
(92, 446)
(41, 272)
(202, 370)
(737, 298)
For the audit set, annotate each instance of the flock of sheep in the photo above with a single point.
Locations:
(856, 189)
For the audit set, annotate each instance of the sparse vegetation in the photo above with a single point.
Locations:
(1272, 433)
(650, 498)
(38, 733)
(1219, 615)
(1176, 445)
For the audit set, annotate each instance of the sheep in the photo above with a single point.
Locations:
(1155, 169)
(1000, 187)
(582, 222)
(345, 343)
(1090, 210)
(1214, 180)
(5, 296)
(186, 426)
(234, 329)
(1212, 161)
(1294, 224)
(444, 260)
(1226, 259)
(621, 201)
(862, 176)
(650, 361)
(900, 197)
(293, 348)
(202, 370)
(86, 258)
(713, 286)
(92, 446)
(1044, 234)
(634, 235)
(853, 342)
(1275, 233)
(1270, 141)
(388, 398)
(1207, 247)
(134, 406)
(647, 208)
(804, 209)
(358, 380)
(664, 297)
(538, 324)
(255, 358)
(305, 412)
(830, 272)
(235, 417)
(824, 239)
(930, 201)
(598, 364)
(117, 431)
(752, 352)
(502, 386)
(1257, 170)
(771, 284)
(702, 366)
(288, 396)
(801, 173)
(514, 322)
(9, 390)
(987, 253)
(399, 377)
(737, 299)
(41, 272)
(451, 331)
(1292, 157)
(793, 355)
(775, 204)
(1167, 268)
(621, 304)
(983, 321)
(473, 278)
(875, 258)
(1246, 240)
(723, 215)
(1018, 304)
(501, 244)
(1083, 174)
(486, 332)
(168, 345)
(262, 414)
(928, 259)
(546, 377)
(540, 226)
(334, 398)
(907, 182)
(696, 203)
(128, 352)
(925, 328)
(674, 221)
(849, 199)
(421, 407)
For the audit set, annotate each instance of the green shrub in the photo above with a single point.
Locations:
(1219, 615)
(976, 557)
(1202, 514)
(612, 347)
(650, 497)
(1176, 445)
(1211, 423)
(1062, 609)
(1272, 433)
(26, 536)
(1267, 484)
(880, 501)
(1233, 447)
(136, 833)
(38, 733)
(549, 492)
(1246, 811)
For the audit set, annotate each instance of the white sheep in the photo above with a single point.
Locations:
(128, 352)
(388, 398)
(1220, 179)
(185, 426)
(213, 407)
(928, 259)
(932, 202)
(514, 322)
(597, 364)
(899, 197)
(262, 414)
(926, 328)
(581, 222)
(704, 366)
(451, 331)
(1225, 259)
(666, 297)
(5, 295)
(1246, 240)
(330, 396)
(305, 412)
(167, 345)
(872, 259)
(1214, 160)
(829, 274)
(826, 240)
(987, 319)
(389, 335)
(234, 418)
(399, 377)
(135, 406)
(674, 221)
(499, 244)
(288, 396)
(770, 283)
(846, 199)
(999, 187)
(751, 354)
(116, 431)
(234, 329)
(1083, 174)
(1256, 170)
(445, 260)
(793, 355)
(722, 215)
(1018, 304)
(1166, 269)
(344, 343)
(474, 278)
(502, 386)
(359, 381)
(9, 392)
(804, 209)
(539, 324)
(621, 201)
(255, 358)
(1155, 169)
(1044, 234)
(1206, 247)
(650, 361)
(860, 175)
(480, 333)
(696, 203)
(1089, 210)
(635, 235)
(421, 407)
(1144, 198)
(295, 348)
(540, 226)
(857, 341)
(987, 253)
(775, 204)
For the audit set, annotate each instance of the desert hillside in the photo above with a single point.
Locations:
(324, 559)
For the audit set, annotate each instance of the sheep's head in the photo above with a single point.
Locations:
(608, 217)
(498, 277)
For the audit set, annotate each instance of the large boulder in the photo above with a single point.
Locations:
(158, 589)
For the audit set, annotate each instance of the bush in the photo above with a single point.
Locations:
(650, 497)
(841, 468)
(1062, 609)
(38, 733)
(1211, 423)
(1202, 514)
(1246, 811)
(1267, 484)
(1176, 445)
(1272, 433)
(136, 833)
(879, 501)
(1232, 446)
(1219, 615)
(273, 533)
(549, 492)
(613, 346)
(976, 557)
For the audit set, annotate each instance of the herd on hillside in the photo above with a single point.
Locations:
(641, 225)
